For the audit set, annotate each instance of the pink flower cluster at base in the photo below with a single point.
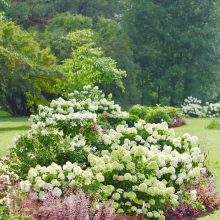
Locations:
(75, 206)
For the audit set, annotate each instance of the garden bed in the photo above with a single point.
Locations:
(81, 151)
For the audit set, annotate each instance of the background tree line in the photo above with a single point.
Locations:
(142, 51)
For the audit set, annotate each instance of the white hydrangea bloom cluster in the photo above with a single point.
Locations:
(68, 129)
(78, 110)
(56, 178)
(178, 158)
(77, 142)
(131, 182)
(212, 109)
(5, 170)
(193, 107)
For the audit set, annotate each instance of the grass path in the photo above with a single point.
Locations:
(209, 142)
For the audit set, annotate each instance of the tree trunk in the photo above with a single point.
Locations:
(12, 105)
(173, 92)
(186, 85)
(142, 92)
(158, 94)
(83, 7)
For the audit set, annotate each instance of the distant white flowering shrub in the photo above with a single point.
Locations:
(193, 107)
(84, 143)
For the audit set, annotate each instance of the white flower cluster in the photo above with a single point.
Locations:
(178, 158)
(131, 181)
(5, 170)
(55, 178)
(193, 107)
(78, 110)
(77, 142)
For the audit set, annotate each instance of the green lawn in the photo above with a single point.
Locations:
(9, 128)
(209, 142)
(4, 113)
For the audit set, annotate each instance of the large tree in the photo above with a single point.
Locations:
(27, 72)
(176, 44)
(88, 64)
(116, 44)
(108, 35)
(37, 12)
(58, 28)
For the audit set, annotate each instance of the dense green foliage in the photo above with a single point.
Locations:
(155, 114)
(27, 72)
(108, 35)
(169, 49)
(87, 64)
(176, 46)
(214, 124)
(30, 75)
(37, 12)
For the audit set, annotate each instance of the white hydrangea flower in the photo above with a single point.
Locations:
(100, 177)
(193, 195)
(25, 186)
(57, 192)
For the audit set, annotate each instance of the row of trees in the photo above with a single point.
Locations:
(169, 49)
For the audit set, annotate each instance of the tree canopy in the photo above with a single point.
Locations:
(26, 70)
(176, 45)
(87, 64)
(168, 49)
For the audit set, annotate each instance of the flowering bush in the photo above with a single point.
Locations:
(141, 169)
(84, 143)
(67, 130)
(193, 107)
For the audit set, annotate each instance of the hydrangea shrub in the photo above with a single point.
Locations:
(193, 107)
(84, 143)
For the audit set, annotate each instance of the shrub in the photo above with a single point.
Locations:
(127, 171)
(177, 123)
(214, 124)
(83, 143)
(203, 196)
(183, 211)
(66, 130)
(193, 107)
(207, 193)
(156, 114)
(139, 111)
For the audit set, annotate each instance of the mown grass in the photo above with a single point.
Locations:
(4, 113)
(10, 127)
(209, 141)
